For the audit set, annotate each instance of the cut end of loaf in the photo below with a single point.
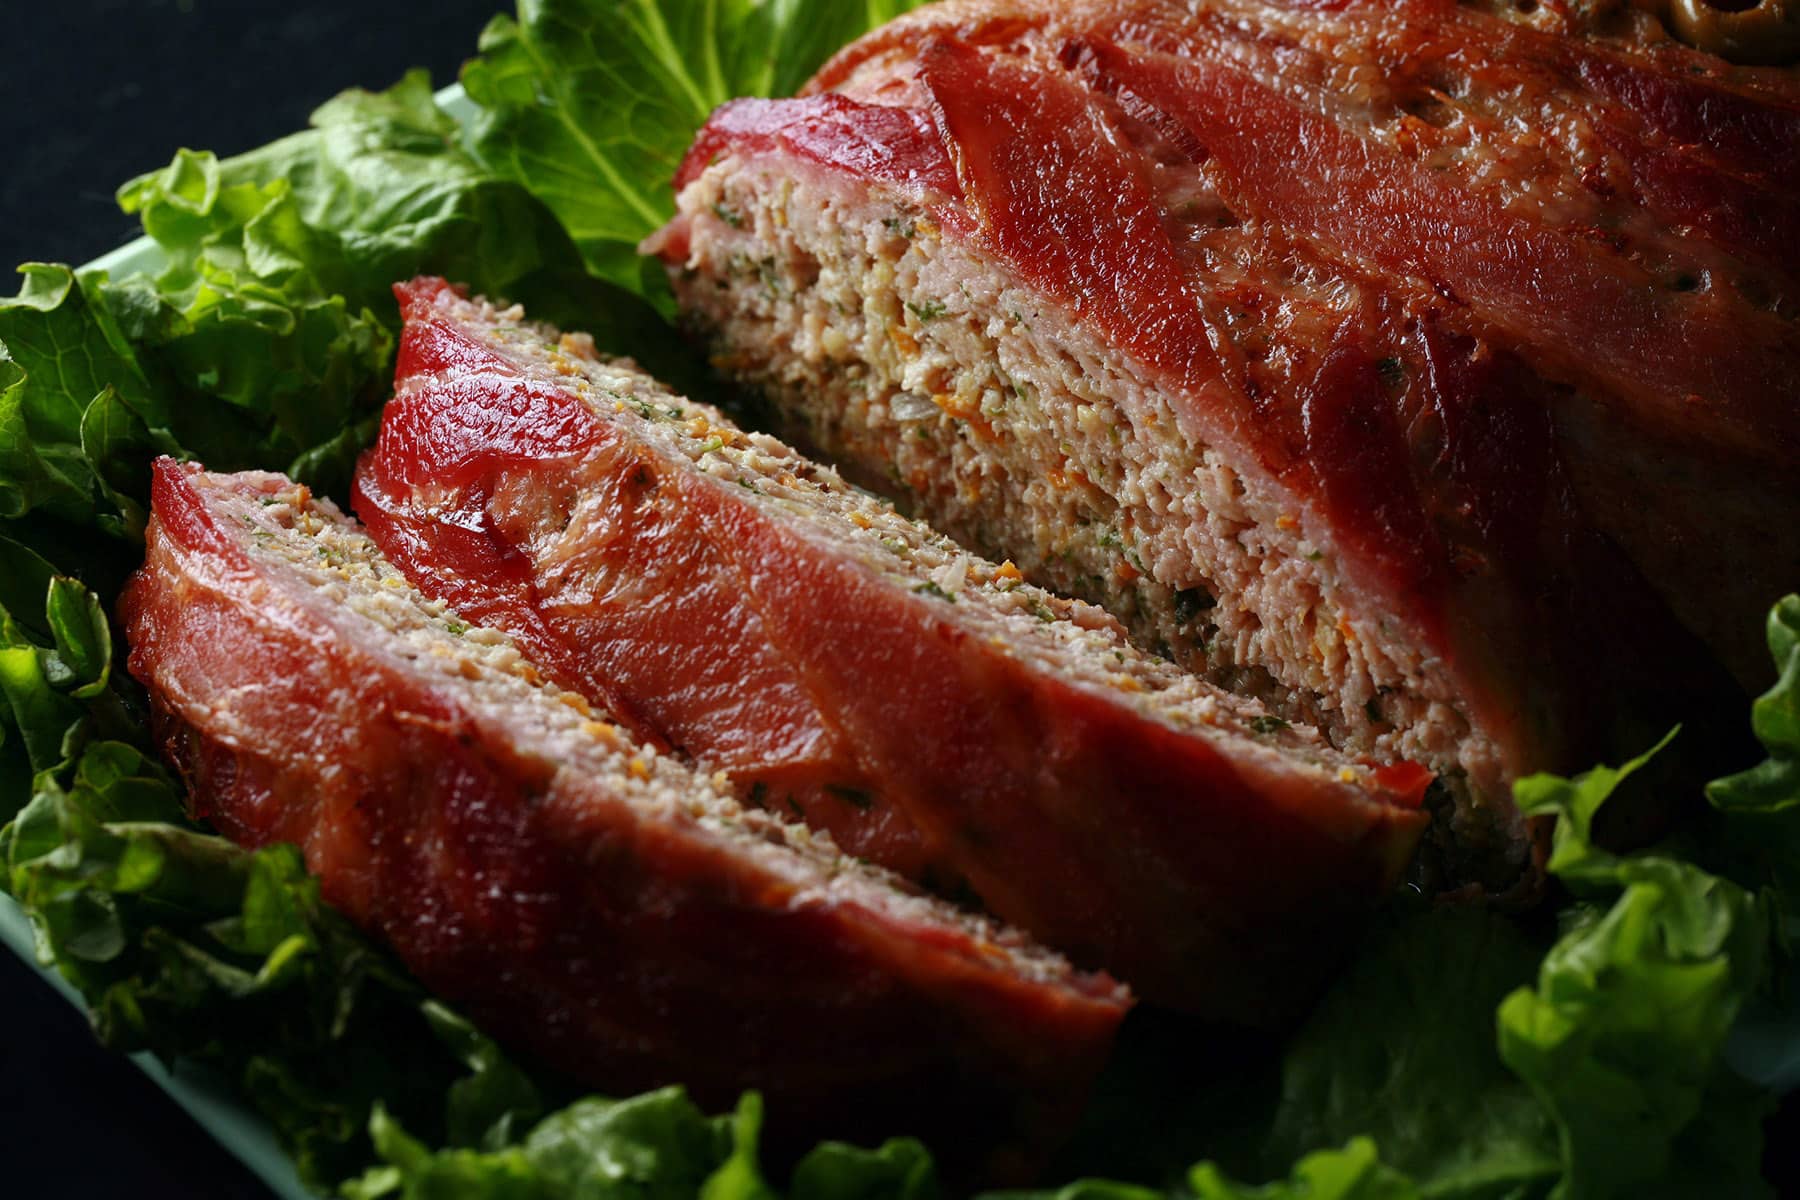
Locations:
(932, 373)
(993, 601)
(1096, 795)
(315, 558)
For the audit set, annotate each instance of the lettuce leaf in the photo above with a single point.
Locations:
(654, 1145)
(75, 406)
(1401, 1054)
(1763, 835)
(266, 338)
(1353, 1173)
(1761, 841)
(1622, 1037)
(592, 103)
(1443, 1070)
(272, 323)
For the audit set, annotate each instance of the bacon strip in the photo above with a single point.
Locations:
(630, 927)
(758, 644)
(895, 145)
(1579, 306)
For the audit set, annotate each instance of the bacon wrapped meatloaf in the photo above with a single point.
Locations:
(585, 898)
(1426, 370)
(927, 708)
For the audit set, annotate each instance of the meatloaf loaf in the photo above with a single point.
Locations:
(1407, 365)
(925, 706)
(583, 896)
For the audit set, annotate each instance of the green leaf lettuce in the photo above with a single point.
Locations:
(591, 104)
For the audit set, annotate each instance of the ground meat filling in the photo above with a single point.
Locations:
(327, 560)
(1071, 639)
(936, 377)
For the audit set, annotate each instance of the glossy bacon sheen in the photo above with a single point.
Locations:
(898, 146)
(625, 946)
(1206, 879)
(1668, 295)
(1617, 366)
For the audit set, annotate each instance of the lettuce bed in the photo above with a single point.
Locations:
(1632, 1043)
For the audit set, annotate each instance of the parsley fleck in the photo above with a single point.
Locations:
(730, 216)
(770, 275)
(930, 588)
(1268, 725)
(930, 310)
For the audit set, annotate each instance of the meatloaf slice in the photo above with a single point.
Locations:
(925, 706)
(1363, 356)
(585, 897)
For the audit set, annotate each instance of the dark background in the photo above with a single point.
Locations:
(92, 93)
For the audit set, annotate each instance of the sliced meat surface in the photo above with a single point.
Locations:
(586, 898)
(1428, 371)
(926, 707)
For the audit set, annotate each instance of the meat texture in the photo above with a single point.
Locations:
(927, 708)
(1427, 370)
(585, 898)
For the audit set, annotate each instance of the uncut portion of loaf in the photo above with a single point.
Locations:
(1283, 331)
(583, 896)
(927, 707)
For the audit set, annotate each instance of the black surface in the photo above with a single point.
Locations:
(94, 92)
(91, 94)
